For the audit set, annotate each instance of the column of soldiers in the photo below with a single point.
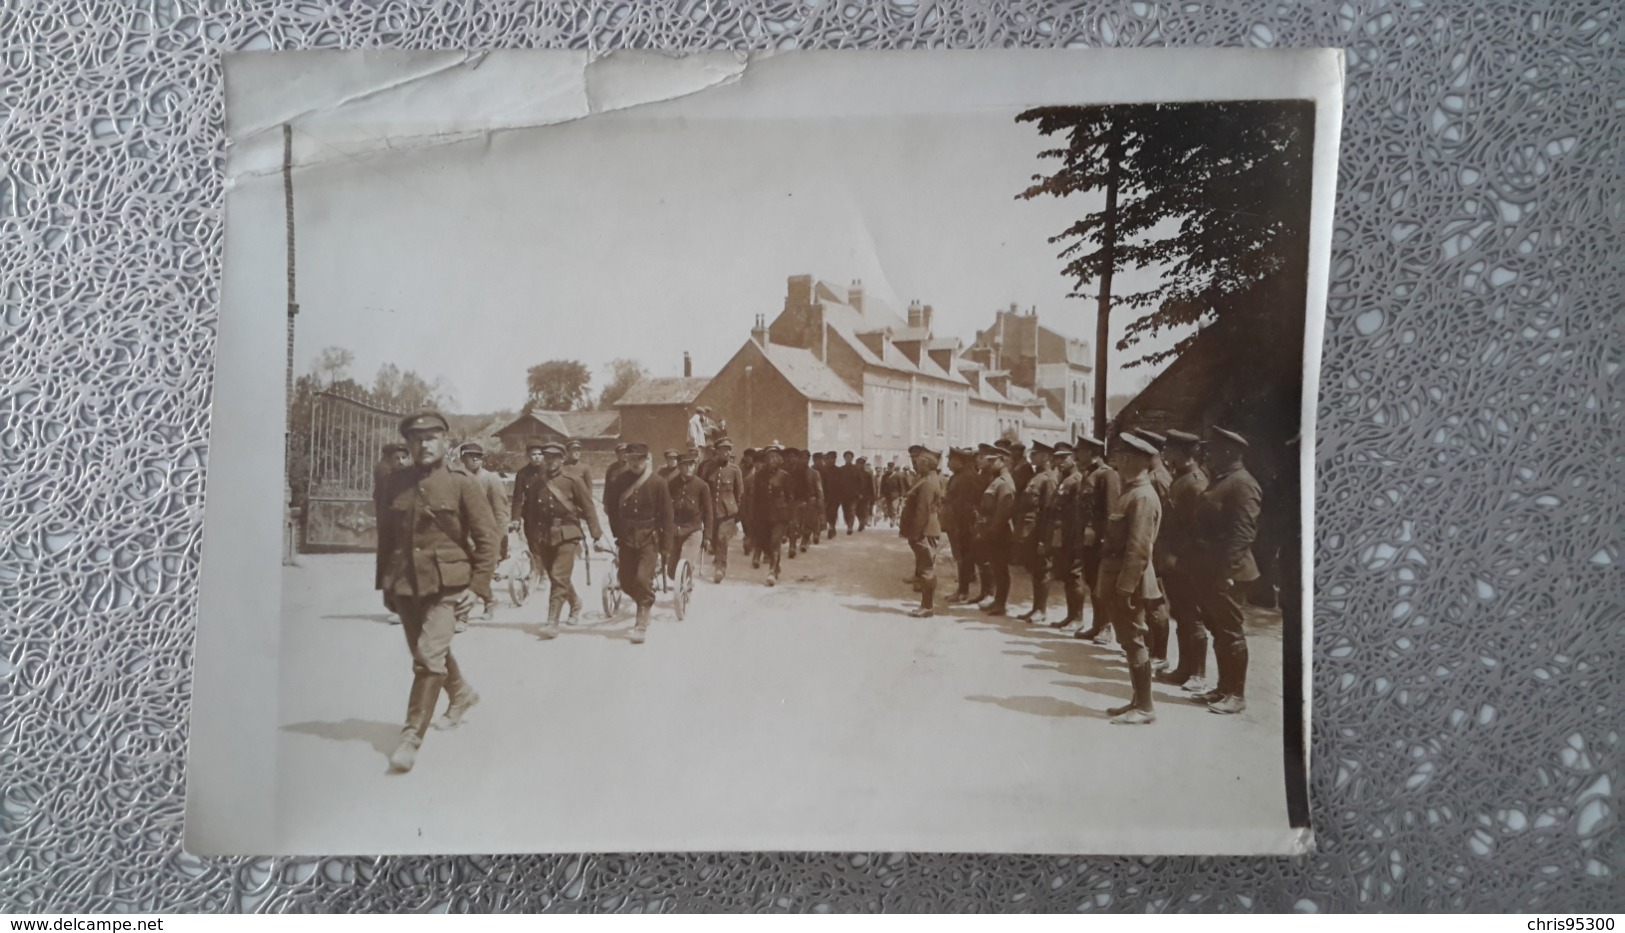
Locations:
(1154, 545)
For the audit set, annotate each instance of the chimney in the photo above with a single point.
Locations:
(914, 313)
(854, 295)
(925, 317)
(800, 292)
(688, 366)
(758, 333)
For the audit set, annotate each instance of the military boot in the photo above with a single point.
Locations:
(640, 631)
(462, 696)
(420, 706)
(1139, 712)
(928, 598)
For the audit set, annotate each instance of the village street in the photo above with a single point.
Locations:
(782, 717)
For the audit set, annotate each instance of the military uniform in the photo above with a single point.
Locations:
(993, 512)
(1174, 555)
(692, 518)
(812, 517)
(1035, 516)
(1070, 512)
(1102, 488)
(643, 530)
(727, 500)
(771, 506)
(1226, 523)
(920, 525)
(555, 507)
(437, 540)
(959, 517)
(1128, 582)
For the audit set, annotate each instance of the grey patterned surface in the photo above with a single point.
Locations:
(1469, 651)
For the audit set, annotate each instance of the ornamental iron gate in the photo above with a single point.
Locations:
(347, 437)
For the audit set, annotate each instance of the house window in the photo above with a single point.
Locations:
(841, 428)
(942, 415)
(925, 416)
(900, 415)
(817, 431)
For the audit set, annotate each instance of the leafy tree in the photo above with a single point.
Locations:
(626, 375)
(333, 363)
(1212, 195)
(558, 385)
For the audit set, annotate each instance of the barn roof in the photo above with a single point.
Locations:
(664, 390)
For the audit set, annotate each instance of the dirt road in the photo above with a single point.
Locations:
(811, 715)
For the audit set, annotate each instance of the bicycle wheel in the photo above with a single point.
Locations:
(519, 578)
(610, 592)
(683, 587)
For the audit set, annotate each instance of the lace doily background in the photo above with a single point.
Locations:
(1469, 651)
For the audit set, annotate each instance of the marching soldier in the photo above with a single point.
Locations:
(959, 515)
(574, 465)
(1226, 520)
(643, 531)
(993, 513)
(773, 508)
(1101, 489)
(691, 513)
(813, 517)
(749, 465)
(863, 490)
(393, 457)
(921, 527)
(1174, 554)
(670, 469)
(1068, 534)
(1035, 514)
(555, 506)
(727, 500)
(473, 457)
(1127, 575)
(616, 468)
(438, 541)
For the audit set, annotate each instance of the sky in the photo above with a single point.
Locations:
(643, 235)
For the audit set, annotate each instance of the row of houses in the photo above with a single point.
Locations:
(837, 369)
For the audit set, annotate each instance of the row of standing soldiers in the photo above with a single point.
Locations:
(1164, 539)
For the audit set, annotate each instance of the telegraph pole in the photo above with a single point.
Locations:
(290, 537)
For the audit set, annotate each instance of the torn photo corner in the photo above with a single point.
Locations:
(830, 451)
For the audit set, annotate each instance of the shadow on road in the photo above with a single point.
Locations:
(382, 736)
(381, 618)
(1040, 706)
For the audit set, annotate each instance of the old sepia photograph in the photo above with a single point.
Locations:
(807, 451)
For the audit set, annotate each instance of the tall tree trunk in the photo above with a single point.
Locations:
(1108, 264)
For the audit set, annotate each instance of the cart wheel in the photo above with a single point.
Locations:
(519, 581)
(610, 592)
(684, 587)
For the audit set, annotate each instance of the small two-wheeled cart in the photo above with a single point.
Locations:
(680, 585)
(517, 569)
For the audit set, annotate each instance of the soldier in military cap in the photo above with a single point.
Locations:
(812, 519)
(1033, 523)
(772, 508)
(1067, 536)
(1102, 487)
(993, 513)
(727, 498)
(1157, 613)
(473, 458)
(1128, 577)
(555, 506)
(438, 542)
(574, 465)
(959, 519)
(795, 486)
(1175, 547)
(670, 469)
(643, 532)
(1021, 469)
(920, 526)
(394, 456)
(863, 493)
(691, 513)
(616, 477)
(1226, 522)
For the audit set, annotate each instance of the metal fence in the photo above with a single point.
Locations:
(347, 436)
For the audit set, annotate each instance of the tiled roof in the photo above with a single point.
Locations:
(665, 390)
(591, 423)
(809, 376)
